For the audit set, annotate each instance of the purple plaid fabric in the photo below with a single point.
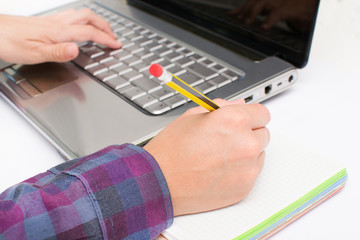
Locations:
(116, 193)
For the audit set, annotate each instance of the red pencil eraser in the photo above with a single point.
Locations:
(156, 70)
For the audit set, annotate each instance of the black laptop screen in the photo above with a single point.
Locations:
(283, 28)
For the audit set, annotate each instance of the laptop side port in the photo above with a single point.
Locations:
(291, 78)
(248, 99)
(268, 89)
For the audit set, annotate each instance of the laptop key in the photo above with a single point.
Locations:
(207, 63)
(166, 63)
(186, 52)
(140, 67)
(153, 59)
(144, 42)
(145, 101)
(173, 56)
(124, 31)
(218, 68)
(176, 69)
(203, 71)
(132, 60)
(163, 93)
(121, 69)
(183, 62)
(153, 46)
(175, 101)
(131, 75)
(106, 75)
(84, 61)
(149, 34)
(97, 69)
(159, 39)
(134, 93)
(233, 75)
(124, 88)
(117, 82)
(112, 63)
(91, 51)
(162, 51)
(118, 28)
(143, 53)
(134, 49)
(205, 87)
(177, 47)
(122, 55)
(147, 85)
(220, 81)
(197, 57)
(190, 78)
(168, 43)
(126, 42)
(96, 53)
(113, 51)
(103, 58)
(158, 108)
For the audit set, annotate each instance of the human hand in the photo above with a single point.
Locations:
(36, 39)
(298, 12)
(211, 159)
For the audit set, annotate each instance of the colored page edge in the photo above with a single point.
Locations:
(292, 207)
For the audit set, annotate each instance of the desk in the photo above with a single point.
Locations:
(321, 111)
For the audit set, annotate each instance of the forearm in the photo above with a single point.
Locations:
(114, 193)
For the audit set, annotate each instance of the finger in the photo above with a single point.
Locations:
(255, 11)
(222, 102)
(263, 137)
(244, 13)
(82, 33)
(60, 52)
(86, 16)
(272, 19)
(257, 114)
(235, 11)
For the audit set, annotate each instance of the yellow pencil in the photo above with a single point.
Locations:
(182, 87)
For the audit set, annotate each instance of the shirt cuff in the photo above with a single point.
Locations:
(128, 191)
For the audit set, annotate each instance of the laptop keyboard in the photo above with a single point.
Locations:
(125, 70)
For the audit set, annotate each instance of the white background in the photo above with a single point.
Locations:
(321, 111)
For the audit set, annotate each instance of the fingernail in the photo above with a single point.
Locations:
(119, 44)
(71, 51)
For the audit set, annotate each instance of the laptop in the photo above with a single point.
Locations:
(106, 96)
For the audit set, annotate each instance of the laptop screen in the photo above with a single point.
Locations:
(282, 28)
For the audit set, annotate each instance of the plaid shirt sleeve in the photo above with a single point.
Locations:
(116, 193)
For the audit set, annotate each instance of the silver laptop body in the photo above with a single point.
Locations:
(79, 114)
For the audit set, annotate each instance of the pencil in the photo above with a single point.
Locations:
(182, 87)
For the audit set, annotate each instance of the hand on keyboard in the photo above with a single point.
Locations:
(36, 39)
(125, 70)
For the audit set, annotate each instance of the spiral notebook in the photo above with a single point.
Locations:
(293, 181)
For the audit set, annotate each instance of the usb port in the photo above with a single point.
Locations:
(248, 99)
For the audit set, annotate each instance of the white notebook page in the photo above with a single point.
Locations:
(289, 172)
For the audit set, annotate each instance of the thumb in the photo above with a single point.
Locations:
(59, 52)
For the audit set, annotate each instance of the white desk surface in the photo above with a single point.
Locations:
(322, 111)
